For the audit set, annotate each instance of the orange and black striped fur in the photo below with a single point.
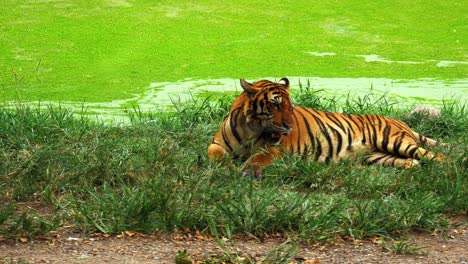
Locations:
(263, 123)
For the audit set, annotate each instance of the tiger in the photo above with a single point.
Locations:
(263, 124)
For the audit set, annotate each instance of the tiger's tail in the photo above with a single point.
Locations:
(428, 141)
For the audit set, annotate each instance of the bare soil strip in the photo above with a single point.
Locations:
(452, 247)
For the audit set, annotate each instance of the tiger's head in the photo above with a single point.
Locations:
(269, 109)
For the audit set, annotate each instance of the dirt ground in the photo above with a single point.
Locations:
(131, 247)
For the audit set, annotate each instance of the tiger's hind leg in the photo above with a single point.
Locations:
(387, 159)
(429, 142)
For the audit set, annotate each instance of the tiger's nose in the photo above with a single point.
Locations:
(288, 128)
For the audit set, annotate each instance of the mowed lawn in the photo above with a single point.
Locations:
(105, 50)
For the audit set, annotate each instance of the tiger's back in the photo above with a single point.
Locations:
(333, 136)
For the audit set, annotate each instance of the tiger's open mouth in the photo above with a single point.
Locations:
(277, 130)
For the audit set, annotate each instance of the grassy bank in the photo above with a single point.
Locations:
(61, 172)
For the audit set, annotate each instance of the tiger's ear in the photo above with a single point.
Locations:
(248, 88)
(284, 81)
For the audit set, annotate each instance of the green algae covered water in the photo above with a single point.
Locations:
(162, 95)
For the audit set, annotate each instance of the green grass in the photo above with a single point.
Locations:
(402, 247)
(231, 254)
(59, 169)
(105, 50)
